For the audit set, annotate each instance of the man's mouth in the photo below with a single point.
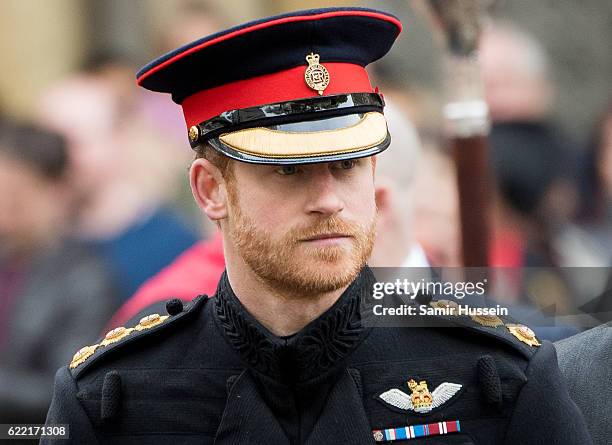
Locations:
(327, 237)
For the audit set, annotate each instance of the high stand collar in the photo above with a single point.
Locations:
(319, 348)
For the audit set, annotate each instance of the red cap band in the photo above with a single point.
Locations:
(271, 88)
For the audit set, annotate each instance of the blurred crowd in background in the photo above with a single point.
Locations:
(95, 200)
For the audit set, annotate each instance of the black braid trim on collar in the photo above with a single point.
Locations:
(318, 348)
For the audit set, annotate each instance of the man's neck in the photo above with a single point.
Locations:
(282, 313)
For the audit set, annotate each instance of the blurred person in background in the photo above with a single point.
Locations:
(531, 164)
(413, 183)
(416, 185)
(396, 245)
(183, 278)
(196, 271)
(124, 172)
(585, 361)
(196, 18)
(536, 184)
(595, 217)
(436, 206)
(53, 290)
(534, 165)
(515, 72)
(528, 160)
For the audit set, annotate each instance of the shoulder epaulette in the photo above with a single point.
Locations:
(117, 337)
(504, 329)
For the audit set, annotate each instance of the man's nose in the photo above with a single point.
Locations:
(324, 196)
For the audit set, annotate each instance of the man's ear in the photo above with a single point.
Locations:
(382, 195)
(208, 189)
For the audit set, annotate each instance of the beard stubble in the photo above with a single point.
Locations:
(291, 266)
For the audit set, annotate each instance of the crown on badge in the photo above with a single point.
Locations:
(312, 59)
(421, 397)
(421, 400)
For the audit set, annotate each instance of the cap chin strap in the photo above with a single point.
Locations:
(285, 112)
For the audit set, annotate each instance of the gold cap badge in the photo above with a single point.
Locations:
(524, 334)
(316, 75)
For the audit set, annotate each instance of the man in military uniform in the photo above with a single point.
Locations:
(285, 123)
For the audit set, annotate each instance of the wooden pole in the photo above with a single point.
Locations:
(466, 114)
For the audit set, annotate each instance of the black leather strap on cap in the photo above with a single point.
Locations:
(302, 110)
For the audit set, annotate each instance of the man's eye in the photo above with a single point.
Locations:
(347, 164)
(287, 170)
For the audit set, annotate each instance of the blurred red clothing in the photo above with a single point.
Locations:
(196, 271)
(507, 248)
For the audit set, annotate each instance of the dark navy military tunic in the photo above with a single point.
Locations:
(214, 374)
